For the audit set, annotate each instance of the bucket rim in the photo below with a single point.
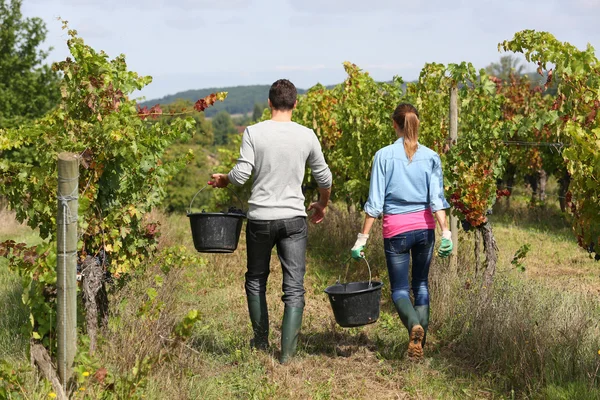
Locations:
(216, 214)
(376, 285)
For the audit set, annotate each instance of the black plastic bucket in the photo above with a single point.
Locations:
(355, 303)
(216, 232)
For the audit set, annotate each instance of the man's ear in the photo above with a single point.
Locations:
(295, 104)
(269, 103)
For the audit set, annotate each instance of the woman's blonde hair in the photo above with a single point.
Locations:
(407, 118)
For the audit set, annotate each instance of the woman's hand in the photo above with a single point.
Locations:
(446, 245)
(357, 250)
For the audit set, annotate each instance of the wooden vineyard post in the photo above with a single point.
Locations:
(66, 272)
(454, 223)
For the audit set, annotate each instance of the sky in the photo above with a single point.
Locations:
(195, 44)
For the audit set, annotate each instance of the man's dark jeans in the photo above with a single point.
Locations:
(290, 236)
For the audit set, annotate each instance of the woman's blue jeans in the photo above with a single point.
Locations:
(398, 252)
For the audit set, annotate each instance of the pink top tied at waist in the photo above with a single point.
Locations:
(395, 224)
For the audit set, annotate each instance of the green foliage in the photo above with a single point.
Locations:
(11, 381)
(215, 200)
(574, 116)
(223, 127)
(184, 328)
(28, 89)
(520, 254)
(123, 174)
(352, 121)
(473, 164)
(93, 379)
(184, 184)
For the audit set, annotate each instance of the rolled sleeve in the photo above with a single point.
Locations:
(374, 205)
(437, 200)
(244, 166)
(319, 168)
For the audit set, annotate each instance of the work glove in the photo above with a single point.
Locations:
(359, 246)
(446, 245)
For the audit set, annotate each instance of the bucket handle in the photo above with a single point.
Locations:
(189, 211)
(348, 267)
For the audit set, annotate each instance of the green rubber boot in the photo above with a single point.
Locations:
(423, 313)
(407, 313)
(259, 316)
(410, 319)
(290, 328)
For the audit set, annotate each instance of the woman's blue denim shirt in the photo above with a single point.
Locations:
(400, 187)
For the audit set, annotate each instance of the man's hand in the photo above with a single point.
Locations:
(219, 180)
(318, 213)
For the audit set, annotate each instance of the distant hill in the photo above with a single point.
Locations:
(240, 100)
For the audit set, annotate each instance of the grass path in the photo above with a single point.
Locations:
(332, 362)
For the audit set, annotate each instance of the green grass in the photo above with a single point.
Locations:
(13, 315)
(516, 348)
(555, 258)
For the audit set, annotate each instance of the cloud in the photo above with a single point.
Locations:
(360, 6)
(305, 20)
(388, 67)
(235, 20)
(589, 4)
(90, 29)
(316, 67)
(150, 5)
(188, 22)
(209, 4)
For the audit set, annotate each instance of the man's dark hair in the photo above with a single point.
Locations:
(283, 95)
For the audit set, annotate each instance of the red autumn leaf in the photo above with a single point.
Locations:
(30, 256)
(143, 112)
(200, 105)
(203, 104)
(155, 111)
(549, 79)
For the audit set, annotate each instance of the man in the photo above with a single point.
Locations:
(276, 151)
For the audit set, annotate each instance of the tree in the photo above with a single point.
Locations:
(508, 65)
(28, 89)
(258, 111)
(223, 126)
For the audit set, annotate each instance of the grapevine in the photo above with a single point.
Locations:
(122, 176)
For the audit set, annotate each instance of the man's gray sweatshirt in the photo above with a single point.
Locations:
(277, 152)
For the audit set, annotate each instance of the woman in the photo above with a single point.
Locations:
(407, 187)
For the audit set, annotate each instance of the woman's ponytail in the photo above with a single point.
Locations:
(411, 135)
(407, 118)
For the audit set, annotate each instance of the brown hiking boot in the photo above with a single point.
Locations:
(415, 349)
